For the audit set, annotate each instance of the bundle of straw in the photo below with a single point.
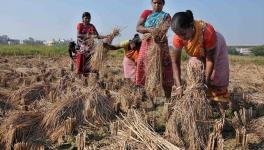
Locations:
(21, 127)
(27, 146)
(127, 97)
(154, 70)
(100, 52)
(192, 112)
(75, 109)
(55, 120)
(99, 108)
(26, 96)
(137, 131)
(154, 61)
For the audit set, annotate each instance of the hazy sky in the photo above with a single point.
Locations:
(240, 21)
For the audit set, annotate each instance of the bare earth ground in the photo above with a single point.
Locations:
(17, 73)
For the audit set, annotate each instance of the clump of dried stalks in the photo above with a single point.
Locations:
(192, 112)
(216, 140)
(27, 146)
(100, 52)
(26, 96)
(154, 61)
(75, 109)
(135, 133)
(127, 97)
(5, 104)
(80, 140)
(55, 120)
(99, 108)
(21, 127)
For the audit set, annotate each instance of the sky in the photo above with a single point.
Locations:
(240, 21)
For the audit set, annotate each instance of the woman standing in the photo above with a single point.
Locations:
(86, 32)
(149, 20)
(202, 43)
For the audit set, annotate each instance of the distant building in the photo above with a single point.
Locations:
(13, 42)
(244, 51)
(57, 42)
(4, 39)
(50, 43)
(31, 41)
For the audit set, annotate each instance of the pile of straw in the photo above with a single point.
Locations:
(27, 146)
(191, 114)
(75, 109)
(127, 97)
(154, 70)
(154, 62)
(5, 105)
(100, 52)
(27, 95)
(54, 122)
(99, 108)
(135, 133)
(21, 127)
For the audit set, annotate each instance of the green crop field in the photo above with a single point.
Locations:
(33, 50)
(17, 50)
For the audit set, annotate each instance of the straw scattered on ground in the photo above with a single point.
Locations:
(135, 133)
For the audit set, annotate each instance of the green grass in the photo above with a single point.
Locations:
(6, 50)
(117, 53)
(259, 60)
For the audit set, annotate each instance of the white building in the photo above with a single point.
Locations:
(244, 51)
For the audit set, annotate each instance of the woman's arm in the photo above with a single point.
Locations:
(141, 28)
(176, 65)
(102, 36)
(111, 47)
(176, 68)
(209, 64)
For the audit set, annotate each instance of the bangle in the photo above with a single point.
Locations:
(178, 87)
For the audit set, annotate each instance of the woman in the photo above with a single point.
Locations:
(131, 48)
(149, 20)
(86, 32)
(202, 43)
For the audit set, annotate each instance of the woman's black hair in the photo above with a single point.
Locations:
(136, 39)
(163, 1)
(182, 20)
(86, 14)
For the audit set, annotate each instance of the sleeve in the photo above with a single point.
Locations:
(124, 44)
(209, 37)
(79, 27)
(145, 14)
(177, 42)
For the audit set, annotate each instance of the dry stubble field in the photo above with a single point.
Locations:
(44, 104)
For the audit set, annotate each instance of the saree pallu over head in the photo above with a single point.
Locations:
(154, 19)
(194, 48)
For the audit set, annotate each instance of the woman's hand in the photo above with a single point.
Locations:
(150, 30)
(177, 91)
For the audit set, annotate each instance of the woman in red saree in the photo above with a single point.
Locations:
(86, 32)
